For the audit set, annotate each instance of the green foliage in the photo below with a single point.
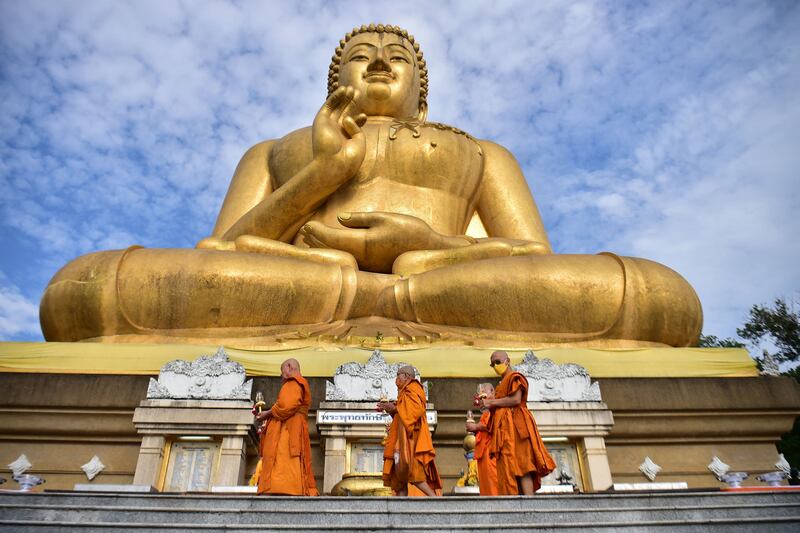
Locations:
(712, 341)
(793, 373)
(779, 324)
(789, 445)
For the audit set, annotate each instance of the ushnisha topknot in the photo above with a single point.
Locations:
(333, 70)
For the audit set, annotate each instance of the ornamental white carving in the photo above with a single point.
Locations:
(551, 382)
(210, 377)
(769, 367)
(783, 465)
(649, 469)
(93, 467)
(20, 465)
(718, 467)
(354, 382)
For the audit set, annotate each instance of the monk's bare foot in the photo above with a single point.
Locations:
(425, 488)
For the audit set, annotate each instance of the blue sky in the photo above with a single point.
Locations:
(667, 130)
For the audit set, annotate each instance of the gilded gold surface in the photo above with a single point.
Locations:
(373, 219)
(361, 484)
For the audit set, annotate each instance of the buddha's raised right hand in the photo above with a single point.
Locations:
(337, 141)
(338, 147)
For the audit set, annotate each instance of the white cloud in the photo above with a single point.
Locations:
(19, 317)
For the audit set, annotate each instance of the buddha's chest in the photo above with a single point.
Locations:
(426, 155)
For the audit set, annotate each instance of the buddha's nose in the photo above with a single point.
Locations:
(379, 62)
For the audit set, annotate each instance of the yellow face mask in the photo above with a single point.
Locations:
(500, 368)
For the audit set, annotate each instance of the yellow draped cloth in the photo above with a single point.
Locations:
(432, 362)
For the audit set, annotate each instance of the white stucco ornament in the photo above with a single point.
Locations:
(93, 467)
(718, 467)
(649, 469)
(20, 465)
(769, 367)
(356, 382)
(209, 377)
(783, 465)
(550, 382)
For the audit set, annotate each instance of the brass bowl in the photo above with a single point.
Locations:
(361, 484)
(469, 442)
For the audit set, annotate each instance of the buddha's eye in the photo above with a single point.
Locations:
(398, 59)
(359, 57)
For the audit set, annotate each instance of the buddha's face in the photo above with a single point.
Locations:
(383, 68)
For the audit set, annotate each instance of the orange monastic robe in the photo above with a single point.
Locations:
(516, 442)
(487, 465)
(285, 447)
(409, 430)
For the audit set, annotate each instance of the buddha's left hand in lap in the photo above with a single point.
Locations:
(376, 239)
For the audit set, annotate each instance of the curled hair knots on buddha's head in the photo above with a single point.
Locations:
(333, 70)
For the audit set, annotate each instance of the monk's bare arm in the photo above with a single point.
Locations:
(508, 401)
(476, 427)
(506, 205)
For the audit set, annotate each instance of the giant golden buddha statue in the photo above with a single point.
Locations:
(373, 219)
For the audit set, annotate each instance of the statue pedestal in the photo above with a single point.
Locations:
(583, 425)
(192, 445)
(351, 433)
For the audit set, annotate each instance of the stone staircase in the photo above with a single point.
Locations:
(672, 511)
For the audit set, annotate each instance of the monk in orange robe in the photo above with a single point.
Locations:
(285, 447)
(408, 454)
(522, 459)
(487, 464)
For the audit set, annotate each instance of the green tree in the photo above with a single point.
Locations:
(779, 325)
(712, 341)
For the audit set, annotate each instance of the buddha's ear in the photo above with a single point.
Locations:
(423, 113)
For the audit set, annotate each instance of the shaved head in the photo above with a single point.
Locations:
(500, 356)
(290, 368)
(405, 375)
(408, 370)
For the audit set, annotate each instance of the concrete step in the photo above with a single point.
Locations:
(165, 515)
(697, 511)
(777, 525)
(384, 504)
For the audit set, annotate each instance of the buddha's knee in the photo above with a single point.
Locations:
(659, 305)
(80, 301)
(156, 290)
(556, 298)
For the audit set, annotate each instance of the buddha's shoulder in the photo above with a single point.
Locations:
(293, 140)
(291, 152)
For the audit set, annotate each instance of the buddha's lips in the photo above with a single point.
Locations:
(379, 76)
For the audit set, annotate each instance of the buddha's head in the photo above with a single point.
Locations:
(385, 65)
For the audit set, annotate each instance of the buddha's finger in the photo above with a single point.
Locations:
(348, 240)
(361, 119)
(350, 127)
(343, 103)
(334, 100)
(366, 219)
